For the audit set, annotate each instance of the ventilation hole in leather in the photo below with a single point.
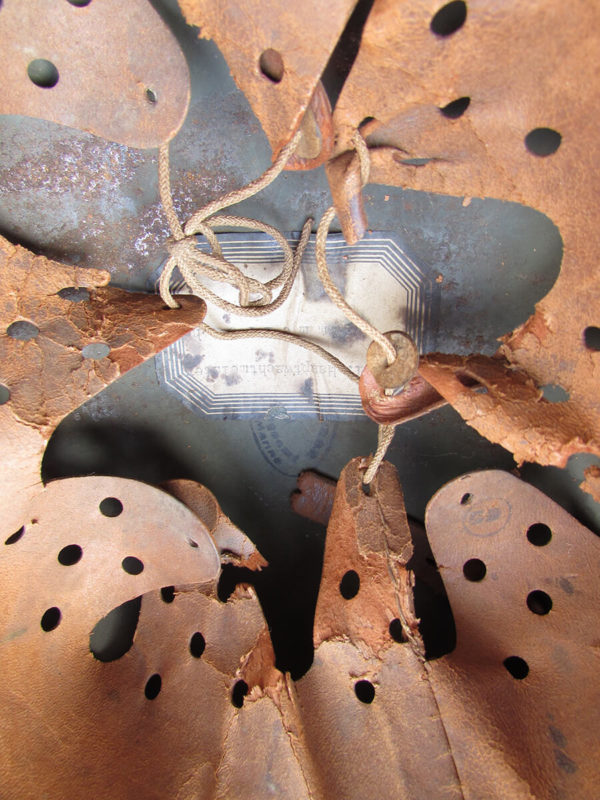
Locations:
(168, 594)
(111, 507)
(474, 570)
(151, 96)
(74, 295)
(466, 499)
(456, 108)
(365, 691)
(197, 645)
(70, 555)
(239, 691)
(22, 330)
(539, 534)
(591, 337)
(449, 18)
(112, 636)
(468, 381)
(43, 73)
(4, 394)
(412, 162)
(365, 122)
(554, 393)
(192, 543)
(14, 537)
(132, 565)
(51, 619)
(95, 351)
(79, 3)
(153, 686)
(543, 141)
(271, 65)
(396, 631)
(517, 667)
(539, 602)
(349, 585)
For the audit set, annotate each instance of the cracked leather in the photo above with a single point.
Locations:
(523, 66)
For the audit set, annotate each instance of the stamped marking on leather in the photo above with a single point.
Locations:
(487, 516)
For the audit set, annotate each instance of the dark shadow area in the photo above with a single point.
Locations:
(344, 54)
(288, 613)
(432, 606)
(456, 108)
(107, 448)
(57, 251)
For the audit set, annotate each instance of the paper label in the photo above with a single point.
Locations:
(254, 377)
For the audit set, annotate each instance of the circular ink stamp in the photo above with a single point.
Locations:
(486, 516)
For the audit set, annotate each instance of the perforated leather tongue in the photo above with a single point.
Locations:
(193, 706)
(153, 720)
(519, 695)
(103, 75)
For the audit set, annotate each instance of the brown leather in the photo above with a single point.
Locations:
(416, 399)
(73, 725)
(487, 733)
(505, 405)
(233, 546)
(314, 496)
(512, 737)
(120, 76)
(303, 35)
(591, 484)
(345, 185)
(461, 726)
(48, 376)
(524, 66)
(316, 145)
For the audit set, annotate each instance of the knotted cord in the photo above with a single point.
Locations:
(195, 265)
